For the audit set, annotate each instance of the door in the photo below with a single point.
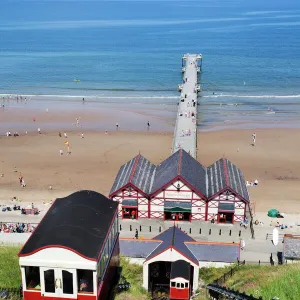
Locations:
(56, 282)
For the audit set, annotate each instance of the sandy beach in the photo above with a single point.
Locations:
(95, 160)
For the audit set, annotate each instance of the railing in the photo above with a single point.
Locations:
(221, 280)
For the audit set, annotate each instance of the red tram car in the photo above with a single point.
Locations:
(180, 286)
(74, 251)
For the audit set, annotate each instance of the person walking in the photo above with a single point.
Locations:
(117, 126)
(39, 130)
(148, 124)
(243, 244)
(253, 138)
(65, 134)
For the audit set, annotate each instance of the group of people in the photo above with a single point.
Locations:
(252, 183)
(16, 227)
(186, 132)
(8, 133)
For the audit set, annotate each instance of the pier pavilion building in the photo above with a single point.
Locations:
(181, 189)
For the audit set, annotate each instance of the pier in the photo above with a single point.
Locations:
(185, 133)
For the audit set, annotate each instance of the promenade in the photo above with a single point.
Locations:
(185, 133)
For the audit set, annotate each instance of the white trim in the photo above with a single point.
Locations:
(57, 258)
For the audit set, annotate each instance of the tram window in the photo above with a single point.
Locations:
(32, 277)
(85, 281)
(173, 284)
(49, 281)
(178, 285)
(67, 281)
(182, 285)
(186, 284)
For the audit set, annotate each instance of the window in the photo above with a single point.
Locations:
(186, 284)
(173, 284)
(49, 281)
(67, 281)
(178, 285)
(85, 281)
(32, 278)
(182, 285)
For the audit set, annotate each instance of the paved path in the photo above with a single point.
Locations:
(185, 133)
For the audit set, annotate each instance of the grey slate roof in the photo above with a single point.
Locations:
(214, 252)
(138, 171)
(174, 238)
(137, 249)
(180, 164)
(222, 174)
(149, 178)
(183, 243)
(292, 247)
(166, 171)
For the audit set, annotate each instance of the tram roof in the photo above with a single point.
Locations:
(79, 222)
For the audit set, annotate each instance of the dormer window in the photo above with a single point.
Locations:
(129, 191)
(178, 187)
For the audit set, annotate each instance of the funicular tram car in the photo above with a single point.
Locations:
(74, 251)
(180, 287)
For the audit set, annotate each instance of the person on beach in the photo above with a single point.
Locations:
(82, 135)
(106, 132)
(148, 124)
(39, 130)
(65, 134)
(59, 134)
(253, 138)
(117, 126)
(83, 100)
(61, 152)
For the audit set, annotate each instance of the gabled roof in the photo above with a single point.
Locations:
(138, 171)
(79, 222)
(180, 164)
(223, 174)
(175, 239)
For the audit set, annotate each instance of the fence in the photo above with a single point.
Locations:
(221, 280)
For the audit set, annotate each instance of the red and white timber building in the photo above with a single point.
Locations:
(180, 188)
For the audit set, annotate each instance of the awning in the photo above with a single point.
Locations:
(177, 206)
(130, 202)
(226, 206)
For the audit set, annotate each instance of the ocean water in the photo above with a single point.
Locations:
(130, 52)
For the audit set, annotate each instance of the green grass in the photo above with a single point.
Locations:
(267, 281)
(133, 274)
(208, 275)
(10, 275)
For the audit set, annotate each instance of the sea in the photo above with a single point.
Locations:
(129, 52)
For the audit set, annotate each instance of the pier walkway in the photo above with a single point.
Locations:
(185, 133)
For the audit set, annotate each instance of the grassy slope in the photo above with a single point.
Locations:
(10, 276)
(134, 274)
(268, 282)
